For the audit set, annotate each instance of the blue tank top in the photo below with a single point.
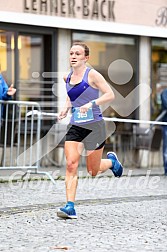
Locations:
(79, 95)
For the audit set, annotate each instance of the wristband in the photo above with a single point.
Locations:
(93, 102)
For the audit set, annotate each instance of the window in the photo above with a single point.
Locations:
(104, 50)
(35, 58)
(159, 73)
(26, 53)
(7, 55)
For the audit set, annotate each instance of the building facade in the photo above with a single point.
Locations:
(127, 40)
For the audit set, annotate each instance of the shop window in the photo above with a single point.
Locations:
(106, 49)
(29, 81)
(159, 74)
(35, 59)
(7, 55)
(24, 58)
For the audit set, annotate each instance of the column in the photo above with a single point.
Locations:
(144, 78)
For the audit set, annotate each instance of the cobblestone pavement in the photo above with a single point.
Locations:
(125, 214)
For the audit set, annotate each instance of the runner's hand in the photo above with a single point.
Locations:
(85, 107)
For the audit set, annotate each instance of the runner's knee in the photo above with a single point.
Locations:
(72, 166)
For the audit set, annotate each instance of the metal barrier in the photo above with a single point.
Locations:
(134, 147)
(125, 143)
(20, 137)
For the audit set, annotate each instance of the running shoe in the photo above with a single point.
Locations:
(67, 212)
(117, 167)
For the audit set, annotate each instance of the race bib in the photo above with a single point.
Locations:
(82, 117)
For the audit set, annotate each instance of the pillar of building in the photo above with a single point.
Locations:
(144, 78)
(63, 68)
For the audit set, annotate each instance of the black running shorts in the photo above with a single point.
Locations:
(92, 135)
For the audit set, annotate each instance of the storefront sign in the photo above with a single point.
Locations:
(150, 13)
(86, 9)
(161, 17)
